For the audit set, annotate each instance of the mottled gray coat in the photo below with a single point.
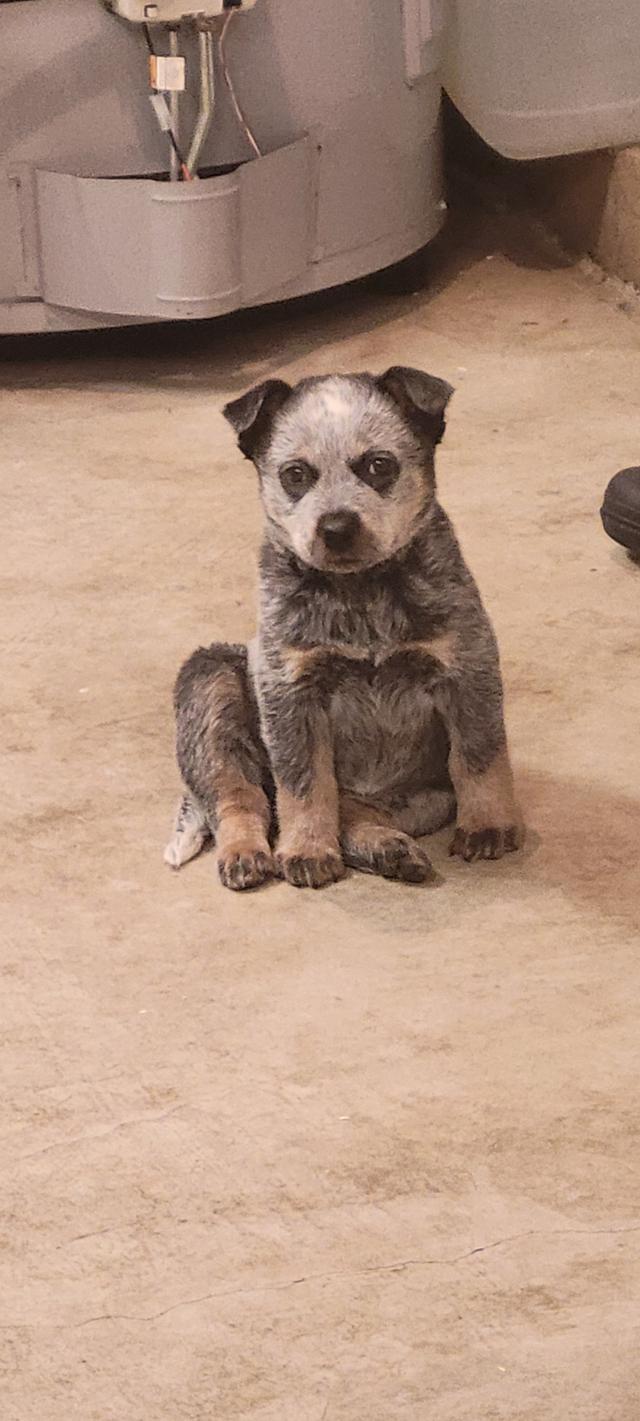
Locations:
(369, 710)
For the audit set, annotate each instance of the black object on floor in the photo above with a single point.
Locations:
(620, 510)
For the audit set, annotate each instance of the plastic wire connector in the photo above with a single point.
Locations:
(167, 73)
(161, 110)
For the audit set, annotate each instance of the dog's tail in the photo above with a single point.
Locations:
(190, 834)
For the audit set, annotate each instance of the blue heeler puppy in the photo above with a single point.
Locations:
(369, 710)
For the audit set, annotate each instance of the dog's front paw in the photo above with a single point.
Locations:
(244, 868)
(313, 869)
(472, 844)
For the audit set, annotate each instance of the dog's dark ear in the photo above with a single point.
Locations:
(252, 415)
(422, 398)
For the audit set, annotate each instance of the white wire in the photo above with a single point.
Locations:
(230, 86)
(207, 99)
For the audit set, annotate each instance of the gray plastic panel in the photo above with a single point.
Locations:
(539, 78)
(360, 77)
(195, 248)
(277, 218)
(135, 247)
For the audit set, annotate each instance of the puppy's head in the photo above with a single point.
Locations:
(345, 461)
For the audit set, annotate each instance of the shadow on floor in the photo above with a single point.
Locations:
(588, 843)
(581, 844)
(221, 352)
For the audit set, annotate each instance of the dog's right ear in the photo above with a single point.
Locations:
(253, 414)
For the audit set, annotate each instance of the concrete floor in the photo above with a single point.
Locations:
(364, 1155)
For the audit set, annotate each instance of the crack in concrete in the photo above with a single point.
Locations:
(101, 1134)
(398, 1267)
(95, 1233)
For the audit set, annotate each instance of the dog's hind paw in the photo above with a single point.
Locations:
(392, 855)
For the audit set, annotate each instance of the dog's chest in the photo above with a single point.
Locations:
(371, 661)
(369, 626)
(382, 719)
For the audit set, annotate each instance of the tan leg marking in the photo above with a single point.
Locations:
(242, 811)
(243, 818)
(309, 847)
(372, 841)
(489, 821)
(223, 694)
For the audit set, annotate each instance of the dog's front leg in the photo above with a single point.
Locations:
(488, 820)
(298, 737)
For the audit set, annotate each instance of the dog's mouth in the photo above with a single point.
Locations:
(344, 562)
(363, 554)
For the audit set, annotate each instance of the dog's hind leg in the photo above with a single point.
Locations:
(373, 841)
(223, 761)
(190, 834)
(427, 811)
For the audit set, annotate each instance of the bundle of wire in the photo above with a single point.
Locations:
(188, 176)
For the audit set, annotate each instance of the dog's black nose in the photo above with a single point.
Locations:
(339, 529)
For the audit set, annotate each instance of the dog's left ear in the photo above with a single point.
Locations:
(253, 414)
(422, 398)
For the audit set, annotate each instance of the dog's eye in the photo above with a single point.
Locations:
(378, 469)
(297, 478)
(382, 466)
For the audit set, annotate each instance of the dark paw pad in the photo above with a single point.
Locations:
(310, 871)
(473, 844)
(245, 870)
